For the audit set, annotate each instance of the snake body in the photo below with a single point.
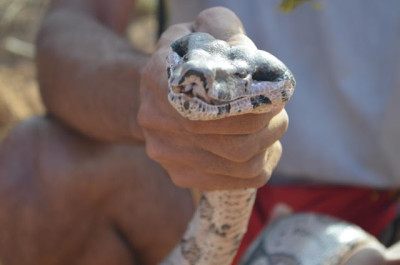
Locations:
(209, 79)
(308, 239)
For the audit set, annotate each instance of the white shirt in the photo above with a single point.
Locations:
(345, 114)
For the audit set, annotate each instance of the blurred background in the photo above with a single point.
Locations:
(19, 24)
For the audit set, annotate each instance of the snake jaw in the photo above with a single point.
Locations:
(265, 97)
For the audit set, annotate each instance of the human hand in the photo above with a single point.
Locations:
(229, 153)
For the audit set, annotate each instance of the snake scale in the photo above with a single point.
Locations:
(208, 80)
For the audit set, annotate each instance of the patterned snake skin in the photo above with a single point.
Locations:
(208, 80)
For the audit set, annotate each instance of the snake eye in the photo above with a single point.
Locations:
(241, 74)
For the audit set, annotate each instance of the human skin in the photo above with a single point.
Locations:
(77, 186)
(80, 188)
(95, 90)
(69, 199)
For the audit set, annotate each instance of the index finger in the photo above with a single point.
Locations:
(222, 24)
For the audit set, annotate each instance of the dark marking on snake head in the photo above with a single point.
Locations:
(228, 108)
(186, 105)
(284, 95)
(194, 72)
(180, 46)
(292, 80)
(220, 110)
(289, 76)
(224, 95)
(224, 109)
(268, 68)
(260, 100)
(266, 73)
(169, 72)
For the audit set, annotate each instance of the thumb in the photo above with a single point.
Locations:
(222, 24)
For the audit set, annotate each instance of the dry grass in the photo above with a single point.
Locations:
(19, 97)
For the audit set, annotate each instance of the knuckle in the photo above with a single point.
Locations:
(248, 168)
(253, 167)
(204, 16)
(194, 127)
(261, 179)
(256, 165)
(190, 127)
(181, 181)
(240, 152)
(277, 126)
(239, 157)
(147, 115)
(282, 128)
(188, 179)
(154, 151)
(256, 125)
(142, 118)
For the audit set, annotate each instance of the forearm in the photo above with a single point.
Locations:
(89, 76)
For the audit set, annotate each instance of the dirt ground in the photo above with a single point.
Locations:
(19, 24)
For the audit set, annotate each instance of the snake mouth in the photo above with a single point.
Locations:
(255, 100)
(195, 90)
(262, 98)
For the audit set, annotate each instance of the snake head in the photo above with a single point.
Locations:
(210, 79)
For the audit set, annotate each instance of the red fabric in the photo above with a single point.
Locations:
(371, 209)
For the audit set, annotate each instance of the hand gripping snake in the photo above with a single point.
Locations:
(209, 79)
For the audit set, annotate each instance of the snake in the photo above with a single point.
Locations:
(310, 239)
(208, 79)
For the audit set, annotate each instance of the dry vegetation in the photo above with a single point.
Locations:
(19, 23)
(19, 97)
